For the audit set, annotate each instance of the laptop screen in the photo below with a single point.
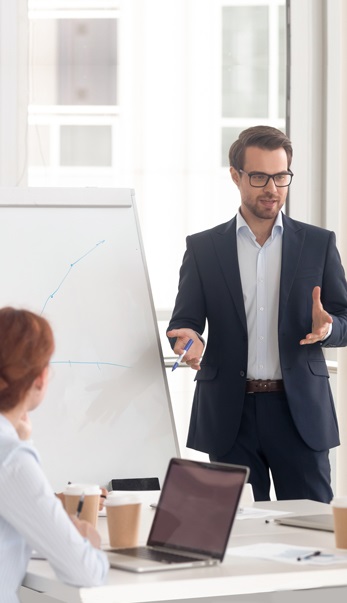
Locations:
(197, 507)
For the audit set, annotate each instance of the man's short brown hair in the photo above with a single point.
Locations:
(263, 137)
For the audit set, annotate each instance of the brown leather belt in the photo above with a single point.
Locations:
(258, 386)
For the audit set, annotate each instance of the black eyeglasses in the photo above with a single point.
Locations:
(259, 179)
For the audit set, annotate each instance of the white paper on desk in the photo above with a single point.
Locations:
(255, 513)
(285, 553)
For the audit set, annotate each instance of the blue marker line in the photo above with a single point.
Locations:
(68, 272)
(185, 350)
(98, 364)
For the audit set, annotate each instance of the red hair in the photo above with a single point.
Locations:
(26, 346)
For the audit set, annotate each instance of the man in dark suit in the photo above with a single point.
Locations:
(273, 293)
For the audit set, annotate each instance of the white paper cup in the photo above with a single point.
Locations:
(339, 507)
(123, 519)
(91, 492)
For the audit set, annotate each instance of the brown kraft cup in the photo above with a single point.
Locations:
(90, 507)
(123, 519)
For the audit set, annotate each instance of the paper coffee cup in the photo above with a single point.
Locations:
(90, 508)
(123, 519)
(339, 507)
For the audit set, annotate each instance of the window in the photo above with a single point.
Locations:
(73, 107)
(253, 67)
(150, 95)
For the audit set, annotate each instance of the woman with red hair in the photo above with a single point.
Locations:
(31, 516)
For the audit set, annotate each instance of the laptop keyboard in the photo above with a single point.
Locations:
(143, 552)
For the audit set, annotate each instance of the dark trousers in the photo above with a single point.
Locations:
(269, 441)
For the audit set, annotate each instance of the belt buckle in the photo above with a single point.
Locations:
(264, 384)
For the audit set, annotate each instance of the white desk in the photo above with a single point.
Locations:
(236, 580)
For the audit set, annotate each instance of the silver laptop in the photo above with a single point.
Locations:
(311, 522)
(193, 519)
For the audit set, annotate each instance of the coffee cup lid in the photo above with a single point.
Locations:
(121, 498)
(78, 489)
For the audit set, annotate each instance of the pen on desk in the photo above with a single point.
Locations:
(185, 350)
(314, 554)
(80, 505)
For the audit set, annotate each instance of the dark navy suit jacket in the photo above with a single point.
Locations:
(210, 290)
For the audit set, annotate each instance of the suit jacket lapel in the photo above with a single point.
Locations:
(224, 240)
(292, 244)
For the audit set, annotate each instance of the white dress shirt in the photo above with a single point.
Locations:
(260, 270)
(32, 517)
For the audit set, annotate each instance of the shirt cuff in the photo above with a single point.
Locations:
(201, 338)
(328, 333)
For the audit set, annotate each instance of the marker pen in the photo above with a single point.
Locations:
(185, 350)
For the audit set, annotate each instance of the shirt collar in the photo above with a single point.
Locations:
(241, 224)
(6, 426)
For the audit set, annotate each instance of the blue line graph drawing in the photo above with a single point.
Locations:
(51, 296)
(98, 364)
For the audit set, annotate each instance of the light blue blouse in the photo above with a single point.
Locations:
(32, 517)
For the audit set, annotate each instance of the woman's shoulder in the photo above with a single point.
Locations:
(11, 449)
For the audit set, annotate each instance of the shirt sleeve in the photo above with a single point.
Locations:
(32, 508)
(190, 309)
